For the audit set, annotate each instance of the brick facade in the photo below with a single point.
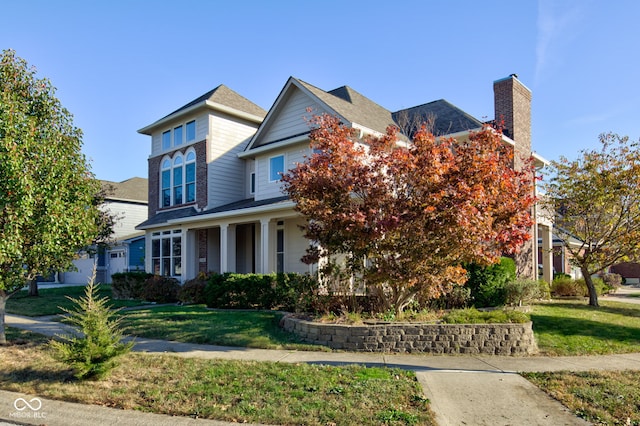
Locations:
(201, 177)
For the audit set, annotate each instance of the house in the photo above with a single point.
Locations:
(215, 199)
(126, 201)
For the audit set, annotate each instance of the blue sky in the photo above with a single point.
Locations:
(120, 65)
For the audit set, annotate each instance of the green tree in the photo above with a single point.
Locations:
(94, 353)
(47, 212)
(595, 201)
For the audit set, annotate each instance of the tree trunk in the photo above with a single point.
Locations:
(593, 294)
(33, 288)
(3, 303)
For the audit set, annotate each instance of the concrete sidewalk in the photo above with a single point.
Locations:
(471, 390)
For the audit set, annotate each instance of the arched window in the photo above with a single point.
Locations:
(178, 179)
(190, 177)
(166, 183)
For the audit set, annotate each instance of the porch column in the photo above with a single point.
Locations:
(265, 256)
(224, 242)
(189, 257)
(547, 253)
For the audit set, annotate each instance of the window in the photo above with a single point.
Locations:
(166, 140)
(177, 136)
(190, 177)
(166, 252)
(181, 134)
(178, 180)
(166, 183)
(252, 184)
(276, 168)
(191, 131)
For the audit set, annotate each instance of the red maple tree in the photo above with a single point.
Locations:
(402, 217)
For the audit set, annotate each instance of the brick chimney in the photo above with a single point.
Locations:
(512, 101)
(512, 104)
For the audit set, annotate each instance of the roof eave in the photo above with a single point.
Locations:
(200, 105)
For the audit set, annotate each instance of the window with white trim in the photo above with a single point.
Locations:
(166, 253)
(276, 168)
(179, 135)
(191, 131)
(178, 179)
(252, 183)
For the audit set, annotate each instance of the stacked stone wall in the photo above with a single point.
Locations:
(465, 339)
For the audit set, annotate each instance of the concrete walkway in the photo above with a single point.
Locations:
(463, 390)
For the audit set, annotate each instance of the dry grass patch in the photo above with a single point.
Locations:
(260, 392)
(601, 397)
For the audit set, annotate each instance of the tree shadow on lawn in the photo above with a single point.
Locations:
(609, 307)
(567, 326)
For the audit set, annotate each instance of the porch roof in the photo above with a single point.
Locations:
(190, 212)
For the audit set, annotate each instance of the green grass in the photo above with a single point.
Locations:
(50, 299)
(257, 392)
(197, 324)
(575, 328)
(601, 397)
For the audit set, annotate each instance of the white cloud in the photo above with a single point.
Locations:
(558, 26)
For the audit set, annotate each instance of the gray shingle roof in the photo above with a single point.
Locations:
(445, 117)
(356, 108)
(134, 189)
(225, 96)
(164, 217)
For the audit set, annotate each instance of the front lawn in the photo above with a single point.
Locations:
(236, 391)
(51, 299)
(601, 397)
(575, 328)
(197, 324)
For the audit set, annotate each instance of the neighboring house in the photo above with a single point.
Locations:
(127, 202)
(561, 257)
(215, 196)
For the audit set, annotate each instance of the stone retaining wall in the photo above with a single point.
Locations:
(491, 339)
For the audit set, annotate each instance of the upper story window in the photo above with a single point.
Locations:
(179, 135)
(166, 140)
(178, 180)
(191, 131)
(276, 168)
(252, 183)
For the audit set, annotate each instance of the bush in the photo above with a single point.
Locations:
(192, 291)
(473, 316)
(521, 291)
(568, 287)
(458, 298)
(93, 354)
(612, 282)
(487, 283)
(545, 289)
(128, 285)
(161, 289)
(291, 292)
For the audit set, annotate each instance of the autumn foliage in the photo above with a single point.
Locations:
(401, 217)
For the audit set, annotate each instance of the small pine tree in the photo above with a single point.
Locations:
(92, 354)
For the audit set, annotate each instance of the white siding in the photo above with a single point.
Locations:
(295, 247)
(226, 172)
(201, 133)
(291, 119)
(292, 155)
(127, 215)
